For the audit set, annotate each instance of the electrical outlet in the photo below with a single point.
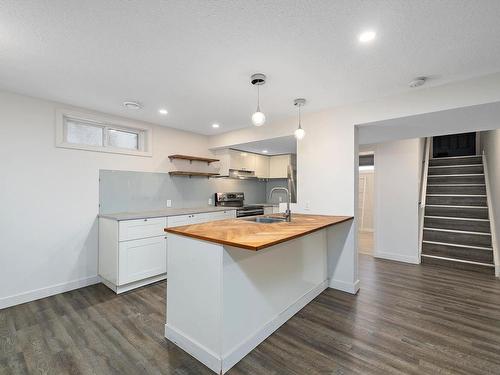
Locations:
(308, 204)
(209, 201)
(169, 203)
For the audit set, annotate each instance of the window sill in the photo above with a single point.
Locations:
(109, 150)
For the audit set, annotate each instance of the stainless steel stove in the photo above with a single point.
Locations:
(237, 200)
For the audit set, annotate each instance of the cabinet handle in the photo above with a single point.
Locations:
(165, 237)
(145, 219)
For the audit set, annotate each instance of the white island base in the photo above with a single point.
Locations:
(223, 301)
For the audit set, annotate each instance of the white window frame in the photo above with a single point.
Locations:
(145, 133)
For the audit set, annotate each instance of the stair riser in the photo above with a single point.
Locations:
(474, 255)
(455, 161)
(466, 190)
(456, 201)
(456, 170)
(458, 238)
(466, 225)
(455, 180)
(473, 213)
(458, 265)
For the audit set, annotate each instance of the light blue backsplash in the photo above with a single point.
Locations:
(124, 191)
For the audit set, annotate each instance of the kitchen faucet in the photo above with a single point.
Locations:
(288, 213)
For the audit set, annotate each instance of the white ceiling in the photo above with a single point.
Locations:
(274, 146)
(195, 57)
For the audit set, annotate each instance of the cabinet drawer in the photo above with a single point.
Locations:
(142, 228)
(140, 259)
(176, 221)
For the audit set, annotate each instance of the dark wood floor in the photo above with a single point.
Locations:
(405, 320)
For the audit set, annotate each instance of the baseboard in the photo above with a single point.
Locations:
(194, 348)
(344, 286)
(137, 284)
(33, 295)
(397, 257)
(230, 359)
(221, 364)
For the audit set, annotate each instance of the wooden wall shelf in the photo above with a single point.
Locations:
(192, 174)
(192, 158)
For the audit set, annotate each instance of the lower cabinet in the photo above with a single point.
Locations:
(141, 259)
(133, 253)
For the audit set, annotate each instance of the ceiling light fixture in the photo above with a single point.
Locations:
(367, 36)
(132, 105)
(299, 132)
(163, 111)
(264, 151)
(258, 118)
(215, 126)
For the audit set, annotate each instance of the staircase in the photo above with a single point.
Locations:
(457, 230)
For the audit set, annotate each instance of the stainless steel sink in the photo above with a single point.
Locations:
(266, 219)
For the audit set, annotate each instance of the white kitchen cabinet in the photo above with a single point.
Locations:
(142, 259)
(133, 253)
(234, 159)
(261, 166)
(278, 165)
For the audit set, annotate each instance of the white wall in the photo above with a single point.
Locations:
(490, 145)
(397, 189)
(49, 198)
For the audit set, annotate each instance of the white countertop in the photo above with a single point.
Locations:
(162, 213)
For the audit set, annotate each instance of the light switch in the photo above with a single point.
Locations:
(209, 201)
(169, 203)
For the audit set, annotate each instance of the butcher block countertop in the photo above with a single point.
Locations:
(257, 236)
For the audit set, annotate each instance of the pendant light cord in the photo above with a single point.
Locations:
(258, 98)
(300, 125)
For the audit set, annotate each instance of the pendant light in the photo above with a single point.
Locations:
(258, 118)
(299, 132)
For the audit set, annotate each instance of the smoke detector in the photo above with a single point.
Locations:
(417, 82)
(132, 105)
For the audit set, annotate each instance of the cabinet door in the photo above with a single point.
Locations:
(140, 259)
(261, 166)
(278, 166)
(222, 215)
(240, 160)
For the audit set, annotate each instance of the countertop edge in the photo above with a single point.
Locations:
(132, 216)
(256, 248)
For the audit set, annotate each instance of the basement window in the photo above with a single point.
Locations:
(90, 133)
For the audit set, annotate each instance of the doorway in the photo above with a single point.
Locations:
(463, 144)
(366, 202)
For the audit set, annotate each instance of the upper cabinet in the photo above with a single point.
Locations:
(263, 166)
(278, 165)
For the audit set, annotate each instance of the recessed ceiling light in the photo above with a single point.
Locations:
(264, 151)
(215, 126)
(162, 111)
(367, 36)
(132, 105)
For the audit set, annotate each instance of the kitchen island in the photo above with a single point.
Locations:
(234, 282)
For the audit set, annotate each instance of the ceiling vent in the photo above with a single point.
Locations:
(417, 82)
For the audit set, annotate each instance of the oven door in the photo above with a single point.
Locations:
(249, 212)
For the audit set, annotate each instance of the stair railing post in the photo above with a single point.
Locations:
(423, 192)
(491, 216)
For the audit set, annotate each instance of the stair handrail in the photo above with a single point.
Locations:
(491, 216)
(423, 191)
